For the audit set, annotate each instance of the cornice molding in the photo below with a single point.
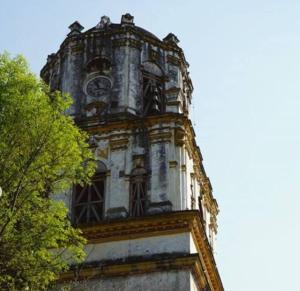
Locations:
(118, 144)
(138, 267)
(122, 33)
(127, 42)
(157, 137)
(173, 60)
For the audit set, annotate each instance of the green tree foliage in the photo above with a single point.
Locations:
(41, 152)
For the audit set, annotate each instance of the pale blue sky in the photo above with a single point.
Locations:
(245, 65)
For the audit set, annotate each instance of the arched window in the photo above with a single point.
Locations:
(98, 64)
(138, 192)
(88, 201)
(153, 96)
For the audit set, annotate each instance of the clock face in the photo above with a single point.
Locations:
(98, 87)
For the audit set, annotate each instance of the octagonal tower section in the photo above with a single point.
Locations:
(149, 214)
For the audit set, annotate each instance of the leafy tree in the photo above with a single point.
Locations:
(41, 152)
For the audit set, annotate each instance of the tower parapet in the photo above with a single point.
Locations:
(149, 214)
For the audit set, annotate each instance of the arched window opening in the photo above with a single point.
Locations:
(153, 95)
(138, 192)
(89, 199)
(98, 64)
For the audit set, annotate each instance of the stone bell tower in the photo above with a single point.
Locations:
(149, 214)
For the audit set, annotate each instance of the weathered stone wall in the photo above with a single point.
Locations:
(156, 281)
(181, 243)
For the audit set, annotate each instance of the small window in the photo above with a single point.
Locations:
(138, 192)
(153, 96)
(88, 200)
(153, 89)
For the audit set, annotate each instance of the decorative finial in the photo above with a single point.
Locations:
(50, 58)
(171, 38)
(104, 22)
(75, 28)
(127, 19)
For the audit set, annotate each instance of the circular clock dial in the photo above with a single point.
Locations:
(98, 87)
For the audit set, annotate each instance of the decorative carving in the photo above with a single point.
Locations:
(127, 19)
(75, 28)
(171, 38)
(104, 22)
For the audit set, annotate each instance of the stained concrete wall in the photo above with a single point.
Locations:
(178, 280)
(168, 244)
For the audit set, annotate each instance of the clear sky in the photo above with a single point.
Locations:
(245, 65)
